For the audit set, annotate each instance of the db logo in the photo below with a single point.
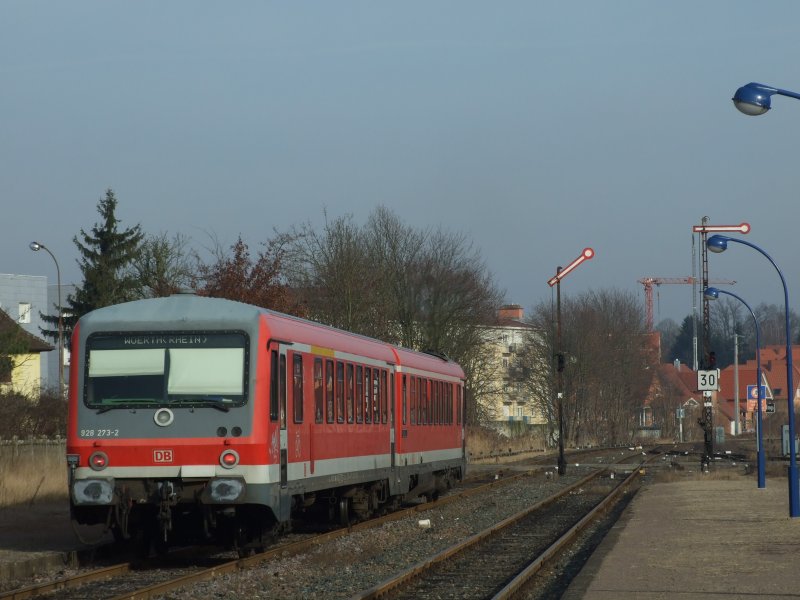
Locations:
(162, 456)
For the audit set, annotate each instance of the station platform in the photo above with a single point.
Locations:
(704, 537)
(39, 538)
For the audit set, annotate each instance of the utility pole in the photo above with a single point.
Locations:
(736, 337)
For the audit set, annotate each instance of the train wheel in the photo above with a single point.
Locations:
(256, 533)
(344, 511)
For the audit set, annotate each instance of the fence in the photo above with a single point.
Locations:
(33, 470)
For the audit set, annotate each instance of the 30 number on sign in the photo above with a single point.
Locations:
(708, 380)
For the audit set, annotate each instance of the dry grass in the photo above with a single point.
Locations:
(32, 472)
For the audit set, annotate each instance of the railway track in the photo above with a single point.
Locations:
(157, 579)
(149, 579)
(519, 547)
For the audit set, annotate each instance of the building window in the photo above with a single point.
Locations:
(24, 312)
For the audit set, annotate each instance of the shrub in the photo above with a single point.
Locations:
(38, 416)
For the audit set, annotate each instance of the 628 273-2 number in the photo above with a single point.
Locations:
(91, 433)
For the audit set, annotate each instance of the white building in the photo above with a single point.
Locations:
(511, 406)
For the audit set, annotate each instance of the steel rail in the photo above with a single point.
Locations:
(388, 585)
(303, 545)
(526, 574)
(65, 583)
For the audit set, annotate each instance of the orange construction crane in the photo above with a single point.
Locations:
(649, 282)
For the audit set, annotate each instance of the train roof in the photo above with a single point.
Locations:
(192, 312)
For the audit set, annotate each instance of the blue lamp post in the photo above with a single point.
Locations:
(719, 243)
(755, 99)
(712, 294)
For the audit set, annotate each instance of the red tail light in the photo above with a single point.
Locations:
(229, 459)
(98, 461)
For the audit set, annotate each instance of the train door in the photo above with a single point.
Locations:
(284, 434)
(392, 411)
(278, 418)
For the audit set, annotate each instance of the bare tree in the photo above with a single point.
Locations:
(424, 290)
(332, 274)
(607, 369)
(163, 266)
(772, 324)
(396, 249)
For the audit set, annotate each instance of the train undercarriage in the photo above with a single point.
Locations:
(153, 515)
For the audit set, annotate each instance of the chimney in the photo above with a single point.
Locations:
(510, 311)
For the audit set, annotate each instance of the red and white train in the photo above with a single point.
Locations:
(193, 417)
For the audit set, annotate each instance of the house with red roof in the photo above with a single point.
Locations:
(738, 387)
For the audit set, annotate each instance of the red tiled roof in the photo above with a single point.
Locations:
(773, 367)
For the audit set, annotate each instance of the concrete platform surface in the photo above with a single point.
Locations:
(700, 538)
(41, 537)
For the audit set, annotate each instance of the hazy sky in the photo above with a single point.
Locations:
(537, 129)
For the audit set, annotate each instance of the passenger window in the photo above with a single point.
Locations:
(384, 399)
(349, 393)
(339, 392)
(435, 394)
(405, 391)
(359, 394)
(367, 395)
(297, 388)
(413, 384)
(448, 403)
(318, 391)
(329, 390)
(376, 396)
(423, 400)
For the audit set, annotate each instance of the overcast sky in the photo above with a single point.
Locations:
(538, 129)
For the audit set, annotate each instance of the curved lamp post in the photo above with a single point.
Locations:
(712, 294)
(719, 243)
(755, 99)
(36, 246)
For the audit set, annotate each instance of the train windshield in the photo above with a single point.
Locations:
(192, 369)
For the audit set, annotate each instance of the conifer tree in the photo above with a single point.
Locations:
(106, 255)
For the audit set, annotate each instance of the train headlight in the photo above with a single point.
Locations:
(98, 461)
(93, 491)
(229, 459)
(225, 490)
(163, 417)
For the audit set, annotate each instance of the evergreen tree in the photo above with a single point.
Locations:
(106, 257)
(683, 347)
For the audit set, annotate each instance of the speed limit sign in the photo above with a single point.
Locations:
(708, 380)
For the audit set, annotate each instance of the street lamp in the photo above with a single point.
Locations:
(755, 99)
(712, 294)
(719, 243)
(556, 281)
(36, 246)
